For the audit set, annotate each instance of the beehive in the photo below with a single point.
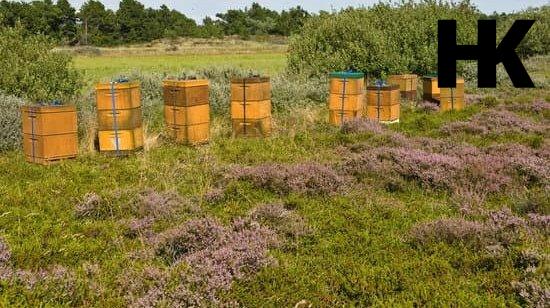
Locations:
(50, 133)
(187, 110)
(408, 84)
(430, 89)
(383, 103)
(119, 117)
(346, 98)
(251, 106)
(452, 98)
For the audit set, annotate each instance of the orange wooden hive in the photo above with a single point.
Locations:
(430, 88)
(383, 103)
(50, 133)
(408, 84)
(187, 110)
(346, 98)
(119, 117)
(251, 106)
(452, 98)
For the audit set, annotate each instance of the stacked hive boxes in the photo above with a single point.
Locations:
(50, 133)
(452, 98)
(408, 84)
(187, 110)
(251, 106)
(383, 103)
(347, 94)
(119, 117)
(431, 89)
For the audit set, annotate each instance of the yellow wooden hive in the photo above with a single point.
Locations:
(430, 89)
(187, 110)
(452, 98)
(408, 84)
(383, 103)
(119, 117)
(50, 133)
(346, 97)
(251, 106)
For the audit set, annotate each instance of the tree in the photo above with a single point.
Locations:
(99, 24)
(67, 28)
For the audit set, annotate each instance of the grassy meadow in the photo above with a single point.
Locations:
(104, 63)
(358, 248)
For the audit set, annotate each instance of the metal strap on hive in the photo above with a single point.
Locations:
(115, 122)
(244, 106)
(452, 99)
(344, 81)
(32, 115)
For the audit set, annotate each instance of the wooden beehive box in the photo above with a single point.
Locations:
(346, 97)
(383, 103)
(251, 106)
(186, 93)
(408, 84)
(187, 110)
(119, 117)
(50, 133)
(452, 98)
(430, 89)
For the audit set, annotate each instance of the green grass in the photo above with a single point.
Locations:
(357, 254)
(97, 68)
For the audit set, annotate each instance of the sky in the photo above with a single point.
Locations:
(198, 9)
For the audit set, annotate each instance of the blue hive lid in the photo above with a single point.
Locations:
(347, 75)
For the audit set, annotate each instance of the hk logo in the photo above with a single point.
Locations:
(486, 53)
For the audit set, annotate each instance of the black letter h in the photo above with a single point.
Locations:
(487, 55)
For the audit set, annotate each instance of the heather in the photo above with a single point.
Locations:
(362, 126)
(304, 178)
(462, 170)
(214, 255)
(494, 122)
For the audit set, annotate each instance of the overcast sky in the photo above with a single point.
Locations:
(198, 9)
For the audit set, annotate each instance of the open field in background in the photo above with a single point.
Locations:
(172, 56)
(354, 241)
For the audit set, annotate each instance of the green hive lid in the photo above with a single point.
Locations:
(431, 75)
(347, 75)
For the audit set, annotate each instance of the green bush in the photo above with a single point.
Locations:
(10, 122)
(537, 41)
(379, 40)
(30, 69)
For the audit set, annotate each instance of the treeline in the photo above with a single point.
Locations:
(132, 22)
(389, 38)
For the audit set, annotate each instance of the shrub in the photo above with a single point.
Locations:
(29, 68)
(244, 251)
(89, 206)
(448, 230)
(10, 122)
(532, 294)
(427, 106)
(362, 126)
(280, 219)
(5, 253)
(217, 255)
(190, 237)
(382, 39)
(461, 169)
(306, 178)
(494, 122)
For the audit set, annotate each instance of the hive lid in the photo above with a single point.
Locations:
(121, 85)
(255, 79)
(383, 87)
(48, 108)
(186, 83)
(347, 75)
